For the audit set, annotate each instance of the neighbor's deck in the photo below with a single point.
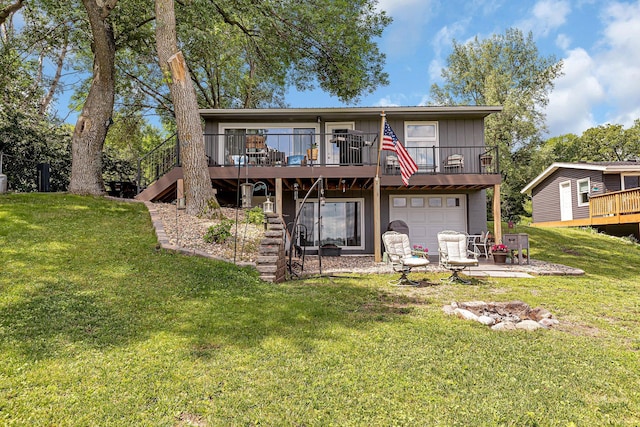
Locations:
(619, 207)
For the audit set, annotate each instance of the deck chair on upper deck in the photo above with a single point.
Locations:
(399, 252)
(455, 255)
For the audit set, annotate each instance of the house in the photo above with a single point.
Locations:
(605, 195)
(361, 187)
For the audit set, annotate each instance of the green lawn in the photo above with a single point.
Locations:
(98, 327)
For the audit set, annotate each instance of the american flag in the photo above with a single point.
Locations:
(391, 142)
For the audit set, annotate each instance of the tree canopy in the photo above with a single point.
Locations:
(504, 69)
(240, 53)
(604, 143)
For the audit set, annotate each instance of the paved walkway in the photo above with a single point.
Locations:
(363, 264)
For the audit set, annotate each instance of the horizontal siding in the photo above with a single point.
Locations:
(546, 196)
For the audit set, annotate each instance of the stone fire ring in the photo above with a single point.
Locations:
(503, 316)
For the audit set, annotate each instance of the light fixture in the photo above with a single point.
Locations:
(267, 206)
(295, 191)
(344, 186)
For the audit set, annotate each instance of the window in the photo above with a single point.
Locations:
(342, 221)
(420, 140)
(287, 139)
(583, 192)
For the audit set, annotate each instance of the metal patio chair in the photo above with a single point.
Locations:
(400, 254)
(454, 254)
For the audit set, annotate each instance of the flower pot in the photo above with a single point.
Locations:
(312, 154)
(499, 257)
(486, 160)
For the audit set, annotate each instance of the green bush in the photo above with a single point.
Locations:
(219, 233)
(255, 216)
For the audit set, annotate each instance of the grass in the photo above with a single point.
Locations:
(98, 327)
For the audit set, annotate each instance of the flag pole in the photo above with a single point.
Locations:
(380, 138)
(377, 237)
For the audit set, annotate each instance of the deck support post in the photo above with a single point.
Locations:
(377, 237)
(279, 196)
(497, 214)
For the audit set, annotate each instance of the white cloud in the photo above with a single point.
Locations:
(402, 6)
(547, 15)
(563, 41)
(442, 43)
(574, 95)
(603, 85)
(410, 21)
(619, 57)
(387, 102)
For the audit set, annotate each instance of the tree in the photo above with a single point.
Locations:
(610, 143)
(95, 118)
(605, 143)
(244, 54)
(503, 70)
(197, 182)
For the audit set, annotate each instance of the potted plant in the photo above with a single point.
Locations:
(420, 251)
(499, 253)
(486, 159)
(312, 151)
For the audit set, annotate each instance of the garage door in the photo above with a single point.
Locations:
(428, 215)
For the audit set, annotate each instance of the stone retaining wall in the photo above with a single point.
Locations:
(271, 261)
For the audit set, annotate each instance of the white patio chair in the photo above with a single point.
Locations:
(399, 252)
(481, 244)
(455, 255)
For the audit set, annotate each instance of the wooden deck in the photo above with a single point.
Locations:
(619, 207)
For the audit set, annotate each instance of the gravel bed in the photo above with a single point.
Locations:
(187, 231)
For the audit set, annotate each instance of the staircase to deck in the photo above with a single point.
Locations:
(158, 171)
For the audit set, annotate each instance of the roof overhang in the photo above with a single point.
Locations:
(605, 169)
(330, 114)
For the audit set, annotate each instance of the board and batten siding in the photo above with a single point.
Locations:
(545, 197)
(461, 133)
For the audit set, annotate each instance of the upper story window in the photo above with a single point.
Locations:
(287, 139)
(583, 191)
(419, 139)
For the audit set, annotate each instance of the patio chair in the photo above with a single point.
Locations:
(454, 254)
(399, 252)
(481, 244)
(392, 165)
(454, 162)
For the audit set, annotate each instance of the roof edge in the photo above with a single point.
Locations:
(554, 167)
(476, 109)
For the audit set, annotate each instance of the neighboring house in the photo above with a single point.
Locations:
(275, 146)
(600, 194)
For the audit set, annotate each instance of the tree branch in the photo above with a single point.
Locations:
(12, 8)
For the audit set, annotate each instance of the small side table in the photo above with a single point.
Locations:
(518, 242)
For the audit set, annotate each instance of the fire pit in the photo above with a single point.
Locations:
(503, 315)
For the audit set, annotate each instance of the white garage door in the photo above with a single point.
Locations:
(428, 215)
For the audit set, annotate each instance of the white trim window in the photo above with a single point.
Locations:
(420, 139)
(582, 188)
(288, 139)
(342, 223)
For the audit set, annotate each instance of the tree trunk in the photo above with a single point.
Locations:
(197, 181)
(95, 118)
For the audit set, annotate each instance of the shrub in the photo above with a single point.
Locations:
(219, 233)
(255, 216)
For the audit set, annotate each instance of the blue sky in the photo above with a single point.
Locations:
(598, 41)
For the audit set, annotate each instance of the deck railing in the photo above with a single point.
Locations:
(615, 204)
(157, 162)
(352, 148)
(344, 149)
